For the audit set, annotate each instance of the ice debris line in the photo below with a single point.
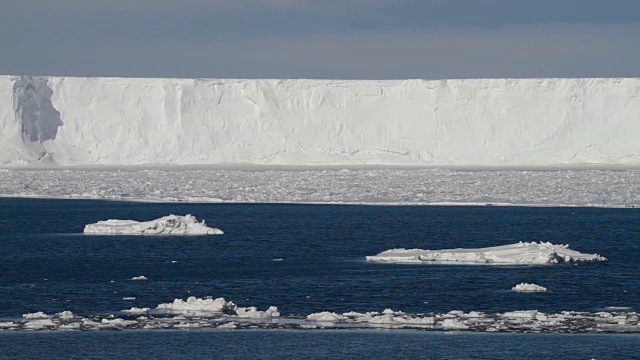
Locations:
(209, 313)
(521, 253)
(120, 121)
(167, 225)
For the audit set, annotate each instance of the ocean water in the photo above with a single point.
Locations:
(305, 259)
(318, 344)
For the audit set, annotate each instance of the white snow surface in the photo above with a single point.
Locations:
(167, 225)
(521, 253)
(495, 122)
(526, 287)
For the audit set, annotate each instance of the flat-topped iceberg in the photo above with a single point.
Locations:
(167, 225)
(521, 253)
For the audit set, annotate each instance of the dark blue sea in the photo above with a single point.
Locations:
(46, 264)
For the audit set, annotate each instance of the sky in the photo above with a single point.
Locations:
(321, 39)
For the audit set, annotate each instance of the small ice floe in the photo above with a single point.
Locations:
(453, 324)
(253, 313)
(141, 277)
(167, 225)
(136, 311)
(521, 253)
(65, 315)
(116, 323)
(277, 259)
(197, 305)
(39, 324)
(326, 316)
(209, 307)
(525, 287)
(129, 298)
(36, 315)
(522, 314)
(228, 326)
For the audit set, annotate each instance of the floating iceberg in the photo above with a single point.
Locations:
(167, 225)
(524, 287)
(194, 304)
(521, 253)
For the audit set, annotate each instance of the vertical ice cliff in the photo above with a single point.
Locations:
(117, 121)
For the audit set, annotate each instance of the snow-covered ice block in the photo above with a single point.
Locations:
(36, 315)
(525, 287)
(521, 253)
(453, 324)
(38, 324)
(167, 225)
(136, 311)
(194, 304)
(253, 313)
(326, 316)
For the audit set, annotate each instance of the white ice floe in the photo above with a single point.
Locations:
(194, 306)
(65, 315)
(525, 287)
(167, 225)
(115, 323)
(253, 313)
(453, 324)
(136, 311)
(228, 326)
(38, 324)
(141, 277)
(36, 315)
(326, 316)
(197, 305)
(521, 253)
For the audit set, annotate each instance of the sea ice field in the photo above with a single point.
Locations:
(600, 187)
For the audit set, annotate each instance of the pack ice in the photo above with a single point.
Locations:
(167, 225)
(521, 253)
(493, 122)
